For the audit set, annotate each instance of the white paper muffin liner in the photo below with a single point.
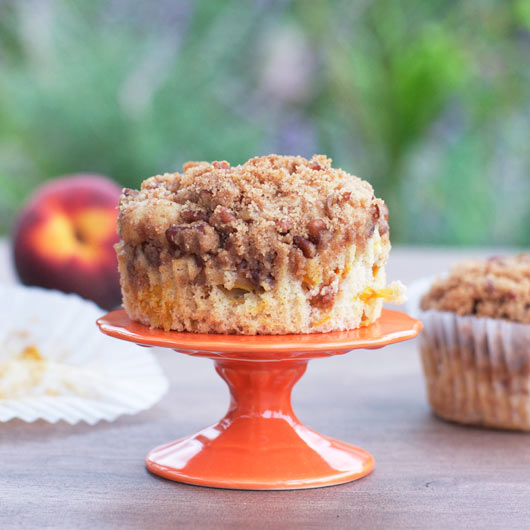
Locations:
(89, 376)
(477, 370)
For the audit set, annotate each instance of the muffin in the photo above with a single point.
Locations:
(277, 245)
(475, 346)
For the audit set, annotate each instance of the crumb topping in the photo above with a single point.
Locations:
(498, 287)
(253, 217)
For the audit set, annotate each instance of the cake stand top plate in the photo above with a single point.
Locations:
(391, 327)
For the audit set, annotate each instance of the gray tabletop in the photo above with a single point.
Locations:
(428, 474)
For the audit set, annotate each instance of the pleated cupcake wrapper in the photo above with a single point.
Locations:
(104, 377)
(477, 369)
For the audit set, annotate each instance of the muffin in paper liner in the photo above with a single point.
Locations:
(477, 369)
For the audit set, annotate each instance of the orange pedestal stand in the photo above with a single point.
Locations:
(260, 443)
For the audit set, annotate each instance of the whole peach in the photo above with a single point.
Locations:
(64, 238)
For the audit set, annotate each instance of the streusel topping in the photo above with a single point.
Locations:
(252, 217)
(498, 287)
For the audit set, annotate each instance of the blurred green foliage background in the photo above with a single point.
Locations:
(429, 101)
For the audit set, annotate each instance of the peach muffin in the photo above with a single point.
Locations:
(475, 345)
(277, 245)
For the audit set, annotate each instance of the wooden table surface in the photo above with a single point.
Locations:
(429, 474)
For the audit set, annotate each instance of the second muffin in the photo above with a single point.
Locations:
(475, 345)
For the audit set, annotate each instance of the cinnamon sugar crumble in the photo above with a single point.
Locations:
(274, 236)
(258, 211)
(498, 287)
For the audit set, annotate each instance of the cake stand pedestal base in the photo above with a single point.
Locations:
(260, 444)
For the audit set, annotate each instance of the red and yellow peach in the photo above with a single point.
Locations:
(64, 238)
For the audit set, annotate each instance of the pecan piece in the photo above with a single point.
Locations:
(226, 216)
(196, 238)
(308, 249)
(205, 199)
(222, 219)
(297, 263)
(336, 198)
(315, 227)
(190, 216)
